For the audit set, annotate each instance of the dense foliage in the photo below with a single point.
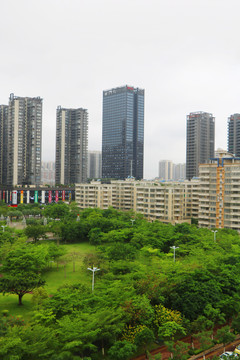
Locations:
(141, 295)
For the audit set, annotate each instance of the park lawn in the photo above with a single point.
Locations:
(54, 279)
(58, 276)
(10, 303)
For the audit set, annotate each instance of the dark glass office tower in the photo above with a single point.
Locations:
(123, 133)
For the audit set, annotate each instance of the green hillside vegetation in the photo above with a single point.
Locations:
(141, 297)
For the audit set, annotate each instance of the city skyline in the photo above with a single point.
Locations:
(160, 46)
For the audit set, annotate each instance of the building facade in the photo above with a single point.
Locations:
(168, 202)
(219, 192)
(48, 172)
(94, 164)
(200, 141)
(123, 133)
(165, 170)
(179, 172)
(3, 143)
(71, 146)
(234, 134)
(24, 140)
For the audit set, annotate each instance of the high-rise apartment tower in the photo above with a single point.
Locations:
(24, 140)
(200, 141)
(123, 133)
(94, 164)
(234, 134)
(165, 169)
(3, 143)
(71, 146)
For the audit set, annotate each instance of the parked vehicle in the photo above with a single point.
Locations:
(237, 349)
(228, 355)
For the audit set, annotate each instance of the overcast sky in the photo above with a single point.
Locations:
(184, 53)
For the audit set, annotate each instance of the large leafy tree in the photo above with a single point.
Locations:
(36, 232)
(21, 270)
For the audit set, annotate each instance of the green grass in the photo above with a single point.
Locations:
(10, 303)
(54, 279)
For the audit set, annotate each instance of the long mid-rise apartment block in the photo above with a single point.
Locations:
(213, 198)
(71, 146)
(168, 202)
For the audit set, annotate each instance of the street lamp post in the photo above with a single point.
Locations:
(93, 271)
(174, 251)
(3, 226)
(132, 220)
(214, 234)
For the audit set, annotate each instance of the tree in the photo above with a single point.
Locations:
(144, 338)
(121, 350)
(225, 336)
(74, 255)
(39, 295)
(21, 270)
(36, 232)
(205, 340)
(56, 211)
(179, 351)
(236, 324)
(170, 329)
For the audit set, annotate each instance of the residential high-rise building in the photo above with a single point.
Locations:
(71, 146)
(219, 192)
(24, 140)
(94, 164)
(3, 143)
(234, 134)
(48, 172)
(200, 141)
(179, 171)
(165, 170)
(123, 133)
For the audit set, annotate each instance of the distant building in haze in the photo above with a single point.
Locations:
(94, 164)
(71, 146)
(200, 141)
(179, 172)
(165, 169)
(123, 133)
(234, 134)
(170, 171)
(24, 140)
(48, 172)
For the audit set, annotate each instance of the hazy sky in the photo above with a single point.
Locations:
(184, 53)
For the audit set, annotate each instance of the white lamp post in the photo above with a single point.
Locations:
(3, 226)
(132, 220)
(174, 250)
(93, 271)
(214, 236)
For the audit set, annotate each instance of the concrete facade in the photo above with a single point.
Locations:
(219, 194)
(168, 202)
(24, 140)
(94, 164)
(200, 141)
(71, 146)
